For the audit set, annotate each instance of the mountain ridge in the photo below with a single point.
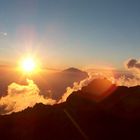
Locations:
(80, 117)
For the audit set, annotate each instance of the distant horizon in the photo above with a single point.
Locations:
(13, 66)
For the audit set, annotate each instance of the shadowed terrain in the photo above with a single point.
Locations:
(115, 115)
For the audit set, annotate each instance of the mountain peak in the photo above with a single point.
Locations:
(72, 69)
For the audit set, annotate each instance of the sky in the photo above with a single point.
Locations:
(65, 33)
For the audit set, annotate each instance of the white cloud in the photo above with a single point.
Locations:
(3, 34)
(20, 97)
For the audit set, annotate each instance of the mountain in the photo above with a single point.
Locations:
(50, 84)
(58, 82)
(72, 69)
(114, 116)
(98, 89)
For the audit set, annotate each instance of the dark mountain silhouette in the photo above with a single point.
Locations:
(99, 111)
(98, 89)
(72, 69)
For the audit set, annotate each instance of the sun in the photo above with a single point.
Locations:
(28, 65)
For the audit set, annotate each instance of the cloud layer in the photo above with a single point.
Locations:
(20, 97)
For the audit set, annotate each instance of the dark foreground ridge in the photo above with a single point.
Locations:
(100, 111)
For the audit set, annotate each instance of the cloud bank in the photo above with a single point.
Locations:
(20, 97)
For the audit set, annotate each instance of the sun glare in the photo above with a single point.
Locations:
(28, 65)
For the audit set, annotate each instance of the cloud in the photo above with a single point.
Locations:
(20, 97)
(77, 86)
(133, 64)
(3, 34)
(122, 80)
